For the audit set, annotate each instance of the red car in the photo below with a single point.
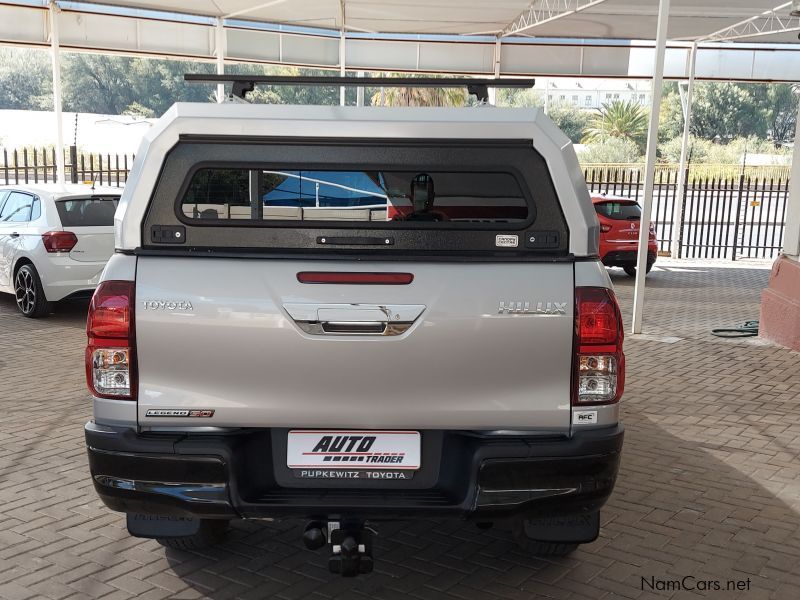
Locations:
(619, 232)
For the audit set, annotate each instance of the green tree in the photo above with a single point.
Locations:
(519, 98)
(570, 119)
(308, 94)
(780, 111)
(26, 81)
(624, 119)
(721, 111)
(610, 150)
(420, 96)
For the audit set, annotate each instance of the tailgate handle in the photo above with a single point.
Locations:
(354, 327)
(354, 319)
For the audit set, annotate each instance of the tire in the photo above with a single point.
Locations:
(632, 270)
(211, 533)
(29, 293)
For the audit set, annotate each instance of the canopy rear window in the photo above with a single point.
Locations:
(360, 196)
(367, 198)
(93, 211)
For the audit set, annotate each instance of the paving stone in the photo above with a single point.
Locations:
(709, 484)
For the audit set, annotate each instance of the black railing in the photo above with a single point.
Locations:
(723, 217)
(39, 166)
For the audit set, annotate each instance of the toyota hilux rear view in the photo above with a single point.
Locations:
(346, 315)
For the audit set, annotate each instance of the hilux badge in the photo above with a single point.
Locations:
(527, 308)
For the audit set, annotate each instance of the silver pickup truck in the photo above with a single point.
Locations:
(349, 314)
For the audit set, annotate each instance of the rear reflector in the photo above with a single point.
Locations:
(355, 278)
(110, 353)
(59, 241)
(599, 360)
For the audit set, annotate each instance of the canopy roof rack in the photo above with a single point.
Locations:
(242, 84)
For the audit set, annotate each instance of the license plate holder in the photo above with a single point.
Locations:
(353, 454)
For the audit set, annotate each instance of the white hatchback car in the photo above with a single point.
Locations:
(55, 241)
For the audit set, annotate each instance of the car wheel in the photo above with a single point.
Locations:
(210, 533)
(630, 271)
(29, 293)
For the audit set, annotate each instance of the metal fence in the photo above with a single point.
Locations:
(38, 165)
(728, 212)
(723, 216)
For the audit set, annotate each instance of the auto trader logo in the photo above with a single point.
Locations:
(352, 448)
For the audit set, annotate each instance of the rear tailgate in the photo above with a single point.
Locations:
(217, 334)
(95, 244)
(91, 219)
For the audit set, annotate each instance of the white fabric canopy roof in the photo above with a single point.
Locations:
(609, 19)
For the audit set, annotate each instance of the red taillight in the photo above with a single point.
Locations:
(598, 321)
(599, 359)
(355, 278)
(59, 241)
(110, 353)
(605, 228)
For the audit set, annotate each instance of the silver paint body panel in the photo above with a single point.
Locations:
(461, 365)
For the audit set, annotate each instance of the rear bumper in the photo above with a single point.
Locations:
(64, 277)
(626, 258)
(240, 474)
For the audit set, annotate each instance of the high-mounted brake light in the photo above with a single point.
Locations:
(110, 353)
(355, 278)
(599, 359)
(59, 241)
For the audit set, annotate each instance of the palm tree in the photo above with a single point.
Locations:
(619, 119)
(420, 96)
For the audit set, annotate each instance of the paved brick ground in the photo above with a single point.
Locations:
(709, 486)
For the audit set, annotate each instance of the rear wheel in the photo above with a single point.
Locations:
(210, 533)
(29, 293)
(632, 270)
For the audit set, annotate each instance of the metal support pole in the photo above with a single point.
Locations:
(677, 208)
(342, 55)
(498, 48)
(791, 237)
(547, 96)
(55, 51)
(360, 91)
(219, 50)
(650, 164)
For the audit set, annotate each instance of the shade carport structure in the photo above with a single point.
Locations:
(679, 39)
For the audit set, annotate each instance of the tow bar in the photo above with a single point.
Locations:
(350, 543)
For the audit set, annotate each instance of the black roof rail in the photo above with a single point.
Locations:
(247, 83)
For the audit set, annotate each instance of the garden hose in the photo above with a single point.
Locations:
(748, 329)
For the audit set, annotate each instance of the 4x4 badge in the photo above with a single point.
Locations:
(541, 308)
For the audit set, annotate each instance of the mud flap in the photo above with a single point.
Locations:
(574, 529)
(156, 526)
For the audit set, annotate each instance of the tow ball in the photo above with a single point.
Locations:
(350, 544)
